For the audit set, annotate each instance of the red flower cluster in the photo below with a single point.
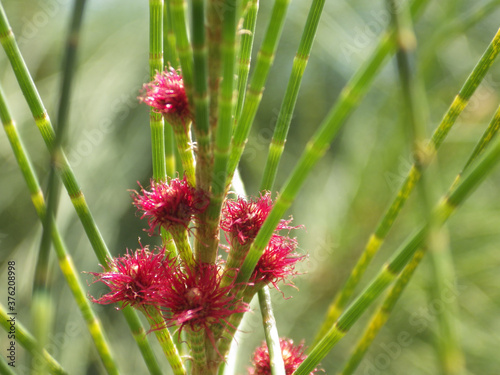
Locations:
(166, 95)
(277, 262)
(187, 297)
(135, 279)
(242, 219)
(293, 356)
(168, 205)
(197, 299)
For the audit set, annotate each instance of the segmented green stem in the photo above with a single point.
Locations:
(234, 261)
(317, 146)
(156, 65)
(382, 314)
(215, 13)
(390, 271)
(159, 327)
(200, 97)
(65, 261)
(180, 235)
(196, 339)
(170, 59)
(185, 150)
(28, 342)
(245, 55)
(265, 58)
(69, 180)
(179, 26)
(207, 251)
(377, 238)
(285, 115)
(170, 56)
(271, 332)
(449, 351)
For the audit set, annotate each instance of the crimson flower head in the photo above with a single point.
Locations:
(135, 279)
(196, 298)
(242, 219)
(166, 95)
(169, 205)
(277, 262)
(293, 356)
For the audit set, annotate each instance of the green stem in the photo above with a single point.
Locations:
(382, 314)
(214, 35)
(207, 251)
(65, 261)
(200, 97)
(317, 146)
(377, 238)
(180, 236)
(184, 148)
(285, 115)
(159, 327)
(179, 26)
(234, 261)
(265, 58)
(246, 46)
(77, 198)
(169, 45)
(28, 342)
(156, 122)
(391, 270)
(196, 338)
(271, 332)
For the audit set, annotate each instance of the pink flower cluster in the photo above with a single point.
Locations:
(184, 296)
(293, 356)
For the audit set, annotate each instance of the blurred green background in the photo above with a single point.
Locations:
(109, 149)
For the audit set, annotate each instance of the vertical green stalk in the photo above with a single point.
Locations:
(317, 146)
(246, 46)
(170, 59)
(285, 115)
(155, 66)
(445, 208)
(77, 198)
(207, 251)
(200, 97)
(377, 238)
(185, 149)
(382, 314)
(158, 326)
(179, 26)
(196, 339)
(265, 59)
(448, 346)
(27, 341)
(42, 305)
(271, 332)
(180, 236)
(65, 261)
(215, 10)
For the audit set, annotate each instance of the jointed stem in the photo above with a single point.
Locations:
(377, 238)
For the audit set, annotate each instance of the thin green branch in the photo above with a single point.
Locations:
(285, 115)
(265, 58)
(245, 55)
(65, 261)
(77, 198)
(445, 208)
(156, 122)
(377, 238)
(271, 332)
(27, 341)
(207, 251)
(349, 98)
